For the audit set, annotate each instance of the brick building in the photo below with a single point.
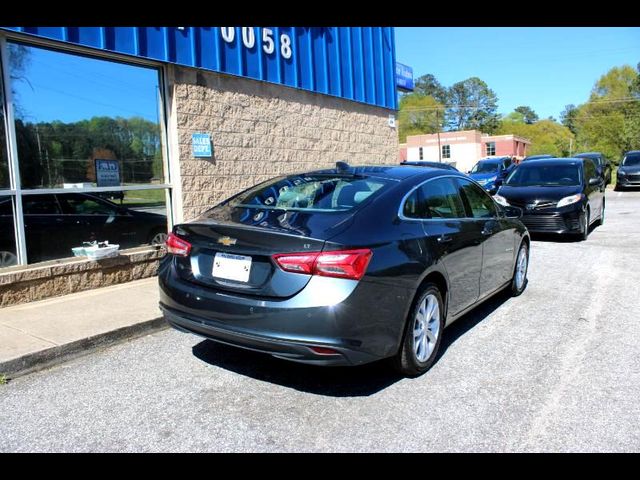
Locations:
(464, 148)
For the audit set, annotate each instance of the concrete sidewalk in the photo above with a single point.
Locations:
(40, 334)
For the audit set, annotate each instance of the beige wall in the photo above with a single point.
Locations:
(260, 130)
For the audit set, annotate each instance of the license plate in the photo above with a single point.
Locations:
(231, 267)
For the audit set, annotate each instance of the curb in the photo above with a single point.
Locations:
(50, 357)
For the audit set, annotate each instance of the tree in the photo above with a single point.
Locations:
(547, 136)
(419, 114)
(428, 85)
(610, 121)
(528, 114)
(568, 117)
(473, 105)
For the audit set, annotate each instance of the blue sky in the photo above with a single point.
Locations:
(545, 68)
(71, 88)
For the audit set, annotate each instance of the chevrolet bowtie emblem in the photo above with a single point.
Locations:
(226, 241)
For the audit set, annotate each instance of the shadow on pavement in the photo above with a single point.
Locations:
(358, 381)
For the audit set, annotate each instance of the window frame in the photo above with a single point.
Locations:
(448, 151)
(467, 203)
(17, 192)
(406, 196)
(493, 147)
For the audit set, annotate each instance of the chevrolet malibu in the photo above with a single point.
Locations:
(343, 266)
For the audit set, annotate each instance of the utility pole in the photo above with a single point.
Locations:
(570, 146)
(438, 125)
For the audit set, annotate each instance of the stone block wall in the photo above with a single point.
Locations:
(55, 278)
(261, 130)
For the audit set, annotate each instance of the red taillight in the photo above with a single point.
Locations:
(324, 351)
(341, 263)
(178, 246)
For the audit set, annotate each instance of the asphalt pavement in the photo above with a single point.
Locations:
(556, 369)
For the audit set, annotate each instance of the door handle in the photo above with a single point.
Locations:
(445, 238)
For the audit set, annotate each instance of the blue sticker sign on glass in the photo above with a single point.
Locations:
(404, 77)
(107, 173)
(201, 145)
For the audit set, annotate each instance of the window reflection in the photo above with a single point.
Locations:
(4, 157)
(72, 111)
(8, 256)
(56, 223)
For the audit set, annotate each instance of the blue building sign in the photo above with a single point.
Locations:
(404, 77)
(356, 63)
(107, 173)
(201, 145)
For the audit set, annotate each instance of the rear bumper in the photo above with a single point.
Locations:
(276, 346)
(362, 321)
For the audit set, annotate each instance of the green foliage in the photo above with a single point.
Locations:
(3, 379)
(528, 115)
(610, 121)
(546, 136)
(427, 85)
(419, 114)
(474, 106)
(52, 153)
(568, 117)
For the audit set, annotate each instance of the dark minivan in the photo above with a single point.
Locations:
(558, 195)
(343, 266)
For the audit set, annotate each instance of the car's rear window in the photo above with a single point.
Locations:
(313, 193)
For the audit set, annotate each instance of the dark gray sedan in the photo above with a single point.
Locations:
(343, 266)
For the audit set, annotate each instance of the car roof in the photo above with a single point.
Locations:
(588, 154)
(396, 172)
(556, 161)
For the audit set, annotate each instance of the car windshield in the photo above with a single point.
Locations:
(485, 167)
(311, 193)
(544, 175)
(595, 158)
(631, 160)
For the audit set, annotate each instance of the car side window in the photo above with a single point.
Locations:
(480, 204)
(83, 205)
(40, 205)
(441, 199)
(412, 207)
(589, 170)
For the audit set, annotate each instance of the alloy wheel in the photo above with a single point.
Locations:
(426, 328)
(521, 268)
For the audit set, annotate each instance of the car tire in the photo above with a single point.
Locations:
(519, 281)
(584, 234)
(422, 333)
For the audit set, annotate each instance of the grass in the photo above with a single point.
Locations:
(3, 379)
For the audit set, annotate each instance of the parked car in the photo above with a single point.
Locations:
(558, 195)
(344, 266)
(425, 163)
(491, 172)
(537, 157)
(628, 174)
(604, 166)
(55, 223)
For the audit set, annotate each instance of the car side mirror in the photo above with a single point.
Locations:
(594, 181)
(512, 212)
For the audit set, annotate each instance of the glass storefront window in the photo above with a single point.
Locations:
(57, 222)
(80, 123)
(8, 256)
(73, 111)
(4, 157)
